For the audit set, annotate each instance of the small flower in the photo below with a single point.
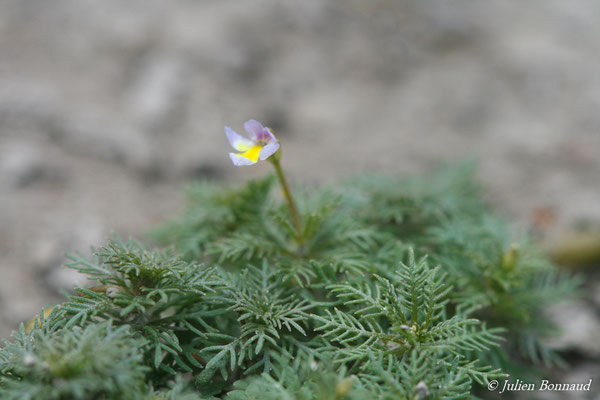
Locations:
(262, 143)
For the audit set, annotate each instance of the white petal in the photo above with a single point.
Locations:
(239, 160)
(268, 150)
(237, 141)
(254, 128)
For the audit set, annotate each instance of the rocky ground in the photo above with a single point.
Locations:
(108, 108)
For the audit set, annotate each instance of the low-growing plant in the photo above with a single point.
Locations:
(385, 288)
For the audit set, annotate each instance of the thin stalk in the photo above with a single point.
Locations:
(287, 194)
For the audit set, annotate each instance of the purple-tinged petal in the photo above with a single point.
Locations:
(270, 137)
(268, 150)
(255, 129)
(237, 141)
(239, 160)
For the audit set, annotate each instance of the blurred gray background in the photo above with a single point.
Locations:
(108, 108)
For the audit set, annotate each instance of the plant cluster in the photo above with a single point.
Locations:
(385, 289)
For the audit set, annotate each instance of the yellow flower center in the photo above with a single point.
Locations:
(252, 153)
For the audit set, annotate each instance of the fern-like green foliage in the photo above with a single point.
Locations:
(98, 362)
(392, 289)
(502, 280)
(398, 316)
(80, 364)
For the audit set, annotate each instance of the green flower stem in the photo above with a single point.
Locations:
(286, 192)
